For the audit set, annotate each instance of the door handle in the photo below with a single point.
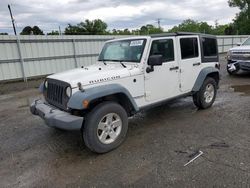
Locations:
(173, 68)
(197, 64)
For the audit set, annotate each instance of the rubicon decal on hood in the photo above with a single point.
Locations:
(104, 79)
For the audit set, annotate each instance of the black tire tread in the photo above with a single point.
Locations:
(198, 96)
(90, 123)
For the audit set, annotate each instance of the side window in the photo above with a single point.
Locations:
(209, 47)
(163, 47)
(189, 48)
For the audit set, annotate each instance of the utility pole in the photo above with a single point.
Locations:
(18, 48)
(12, 19)
(159, 23)
(60, 32)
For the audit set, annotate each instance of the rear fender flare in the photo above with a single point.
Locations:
(202, 76)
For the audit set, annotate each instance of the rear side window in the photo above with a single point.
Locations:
(189, 48)
(163, 47)
(209, 47)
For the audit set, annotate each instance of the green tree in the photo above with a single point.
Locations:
(120, 32)
(200, 27)
(219, 29)
(126, 32)
(74, 30)
(3, 33)
(187, 26)
(135, 32)
(114, 32)
(242, 24)
(28, 30)
(37, 31)
(53, 33)
(88, 27)
(150, 29)
(243, 5)
(230, 30)
(242, 20)
(205, 28)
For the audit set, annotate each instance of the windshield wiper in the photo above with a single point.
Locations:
(121, 62)
(103, 60)
(114, 60)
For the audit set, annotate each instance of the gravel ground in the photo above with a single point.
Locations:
(159, 142)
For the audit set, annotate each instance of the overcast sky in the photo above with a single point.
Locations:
(49, 14)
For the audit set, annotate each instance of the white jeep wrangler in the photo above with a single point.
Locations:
(131, 74)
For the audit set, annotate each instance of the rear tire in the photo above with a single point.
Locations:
(205, 97)
(105, 127)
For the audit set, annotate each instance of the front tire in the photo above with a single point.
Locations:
(205, 97)
(105, 127)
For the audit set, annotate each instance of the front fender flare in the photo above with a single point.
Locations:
(75, 102)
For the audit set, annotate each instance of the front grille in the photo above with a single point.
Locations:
(55, 93)
(240, 55)
(243, 57)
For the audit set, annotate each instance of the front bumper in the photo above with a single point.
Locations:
(239, 65)
(54, 117)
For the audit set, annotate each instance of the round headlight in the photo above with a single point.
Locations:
(46, 84)
(68, 91)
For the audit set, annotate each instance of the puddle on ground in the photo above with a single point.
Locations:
(244, 89)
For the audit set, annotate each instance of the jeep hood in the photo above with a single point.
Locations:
(95, 74)
(241, 49)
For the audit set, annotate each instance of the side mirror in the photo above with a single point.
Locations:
(155, 60)
(239, 44)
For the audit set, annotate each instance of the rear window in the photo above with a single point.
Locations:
(189, 48)
(209, 47)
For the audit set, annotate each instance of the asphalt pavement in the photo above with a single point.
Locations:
(159, 142)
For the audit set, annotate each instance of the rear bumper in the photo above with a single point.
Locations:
(54, 117)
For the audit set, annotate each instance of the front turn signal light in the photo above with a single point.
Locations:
(85, 103)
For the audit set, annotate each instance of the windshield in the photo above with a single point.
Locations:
(247, 42)
(123, 51)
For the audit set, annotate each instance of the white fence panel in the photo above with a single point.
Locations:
(43, 55)
(225, 42)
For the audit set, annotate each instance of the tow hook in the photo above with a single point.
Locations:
(232, 67)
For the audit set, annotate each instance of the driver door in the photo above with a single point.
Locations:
(163, 82)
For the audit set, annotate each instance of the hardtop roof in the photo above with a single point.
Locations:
(181, 34)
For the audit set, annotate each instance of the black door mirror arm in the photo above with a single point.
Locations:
(150, 69)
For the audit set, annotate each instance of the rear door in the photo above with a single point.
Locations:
(189, 61)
